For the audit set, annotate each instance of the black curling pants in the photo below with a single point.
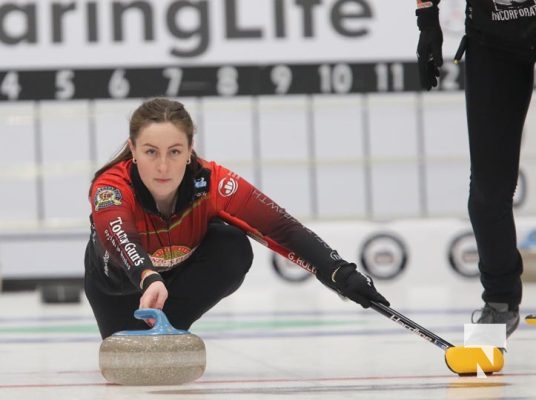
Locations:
(215, 270)
(499, 86)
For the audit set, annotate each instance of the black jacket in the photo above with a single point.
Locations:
(507, 23)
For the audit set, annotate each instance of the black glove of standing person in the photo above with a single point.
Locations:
(347, 281)
(429, 48)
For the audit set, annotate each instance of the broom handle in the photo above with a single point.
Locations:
(410, 325)
(388, 312)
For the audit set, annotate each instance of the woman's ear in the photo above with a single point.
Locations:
(191, 150)
(131, 146)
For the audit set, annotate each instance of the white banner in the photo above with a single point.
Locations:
(89, 33)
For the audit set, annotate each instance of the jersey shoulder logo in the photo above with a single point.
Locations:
(107, 196)
(227, 186)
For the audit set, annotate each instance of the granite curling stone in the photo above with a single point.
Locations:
(161, 355)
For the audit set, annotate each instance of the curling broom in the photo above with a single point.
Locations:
(460, 360)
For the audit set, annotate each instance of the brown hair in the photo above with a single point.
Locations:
(151, 111)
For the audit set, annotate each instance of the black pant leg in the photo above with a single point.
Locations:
(113, 313)
(215, 270)
(499, 86)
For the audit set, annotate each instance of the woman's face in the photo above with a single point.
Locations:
(161, 152)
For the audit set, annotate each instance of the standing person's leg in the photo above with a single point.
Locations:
(215, 270)
(499, 86)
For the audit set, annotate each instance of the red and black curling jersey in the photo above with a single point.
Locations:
(129, 235)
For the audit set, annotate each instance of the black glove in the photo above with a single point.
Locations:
(429, 48)
(347, 281)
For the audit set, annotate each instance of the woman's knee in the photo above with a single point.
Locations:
(233, 245)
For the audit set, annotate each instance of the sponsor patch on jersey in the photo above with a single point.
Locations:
(200, 183)
(512, 4)
(227, 186)
(107, 196)
(511, 10)
(167, 257)
(201, 186)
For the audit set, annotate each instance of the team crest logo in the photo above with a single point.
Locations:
(107, 196)
(227, 186)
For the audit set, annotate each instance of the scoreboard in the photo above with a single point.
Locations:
(219, 80)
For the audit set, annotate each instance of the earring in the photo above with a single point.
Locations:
(134, 161)
(189, 161)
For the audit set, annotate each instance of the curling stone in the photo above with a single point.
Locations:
(161, 355)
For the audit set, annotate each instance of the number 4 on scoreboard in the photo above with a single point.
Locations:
(10, 86)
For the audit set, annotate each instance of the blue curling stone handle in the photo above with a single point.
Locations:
(161, 326)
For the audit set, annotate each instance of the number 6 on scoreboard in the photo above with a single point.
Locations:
(118, 86)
